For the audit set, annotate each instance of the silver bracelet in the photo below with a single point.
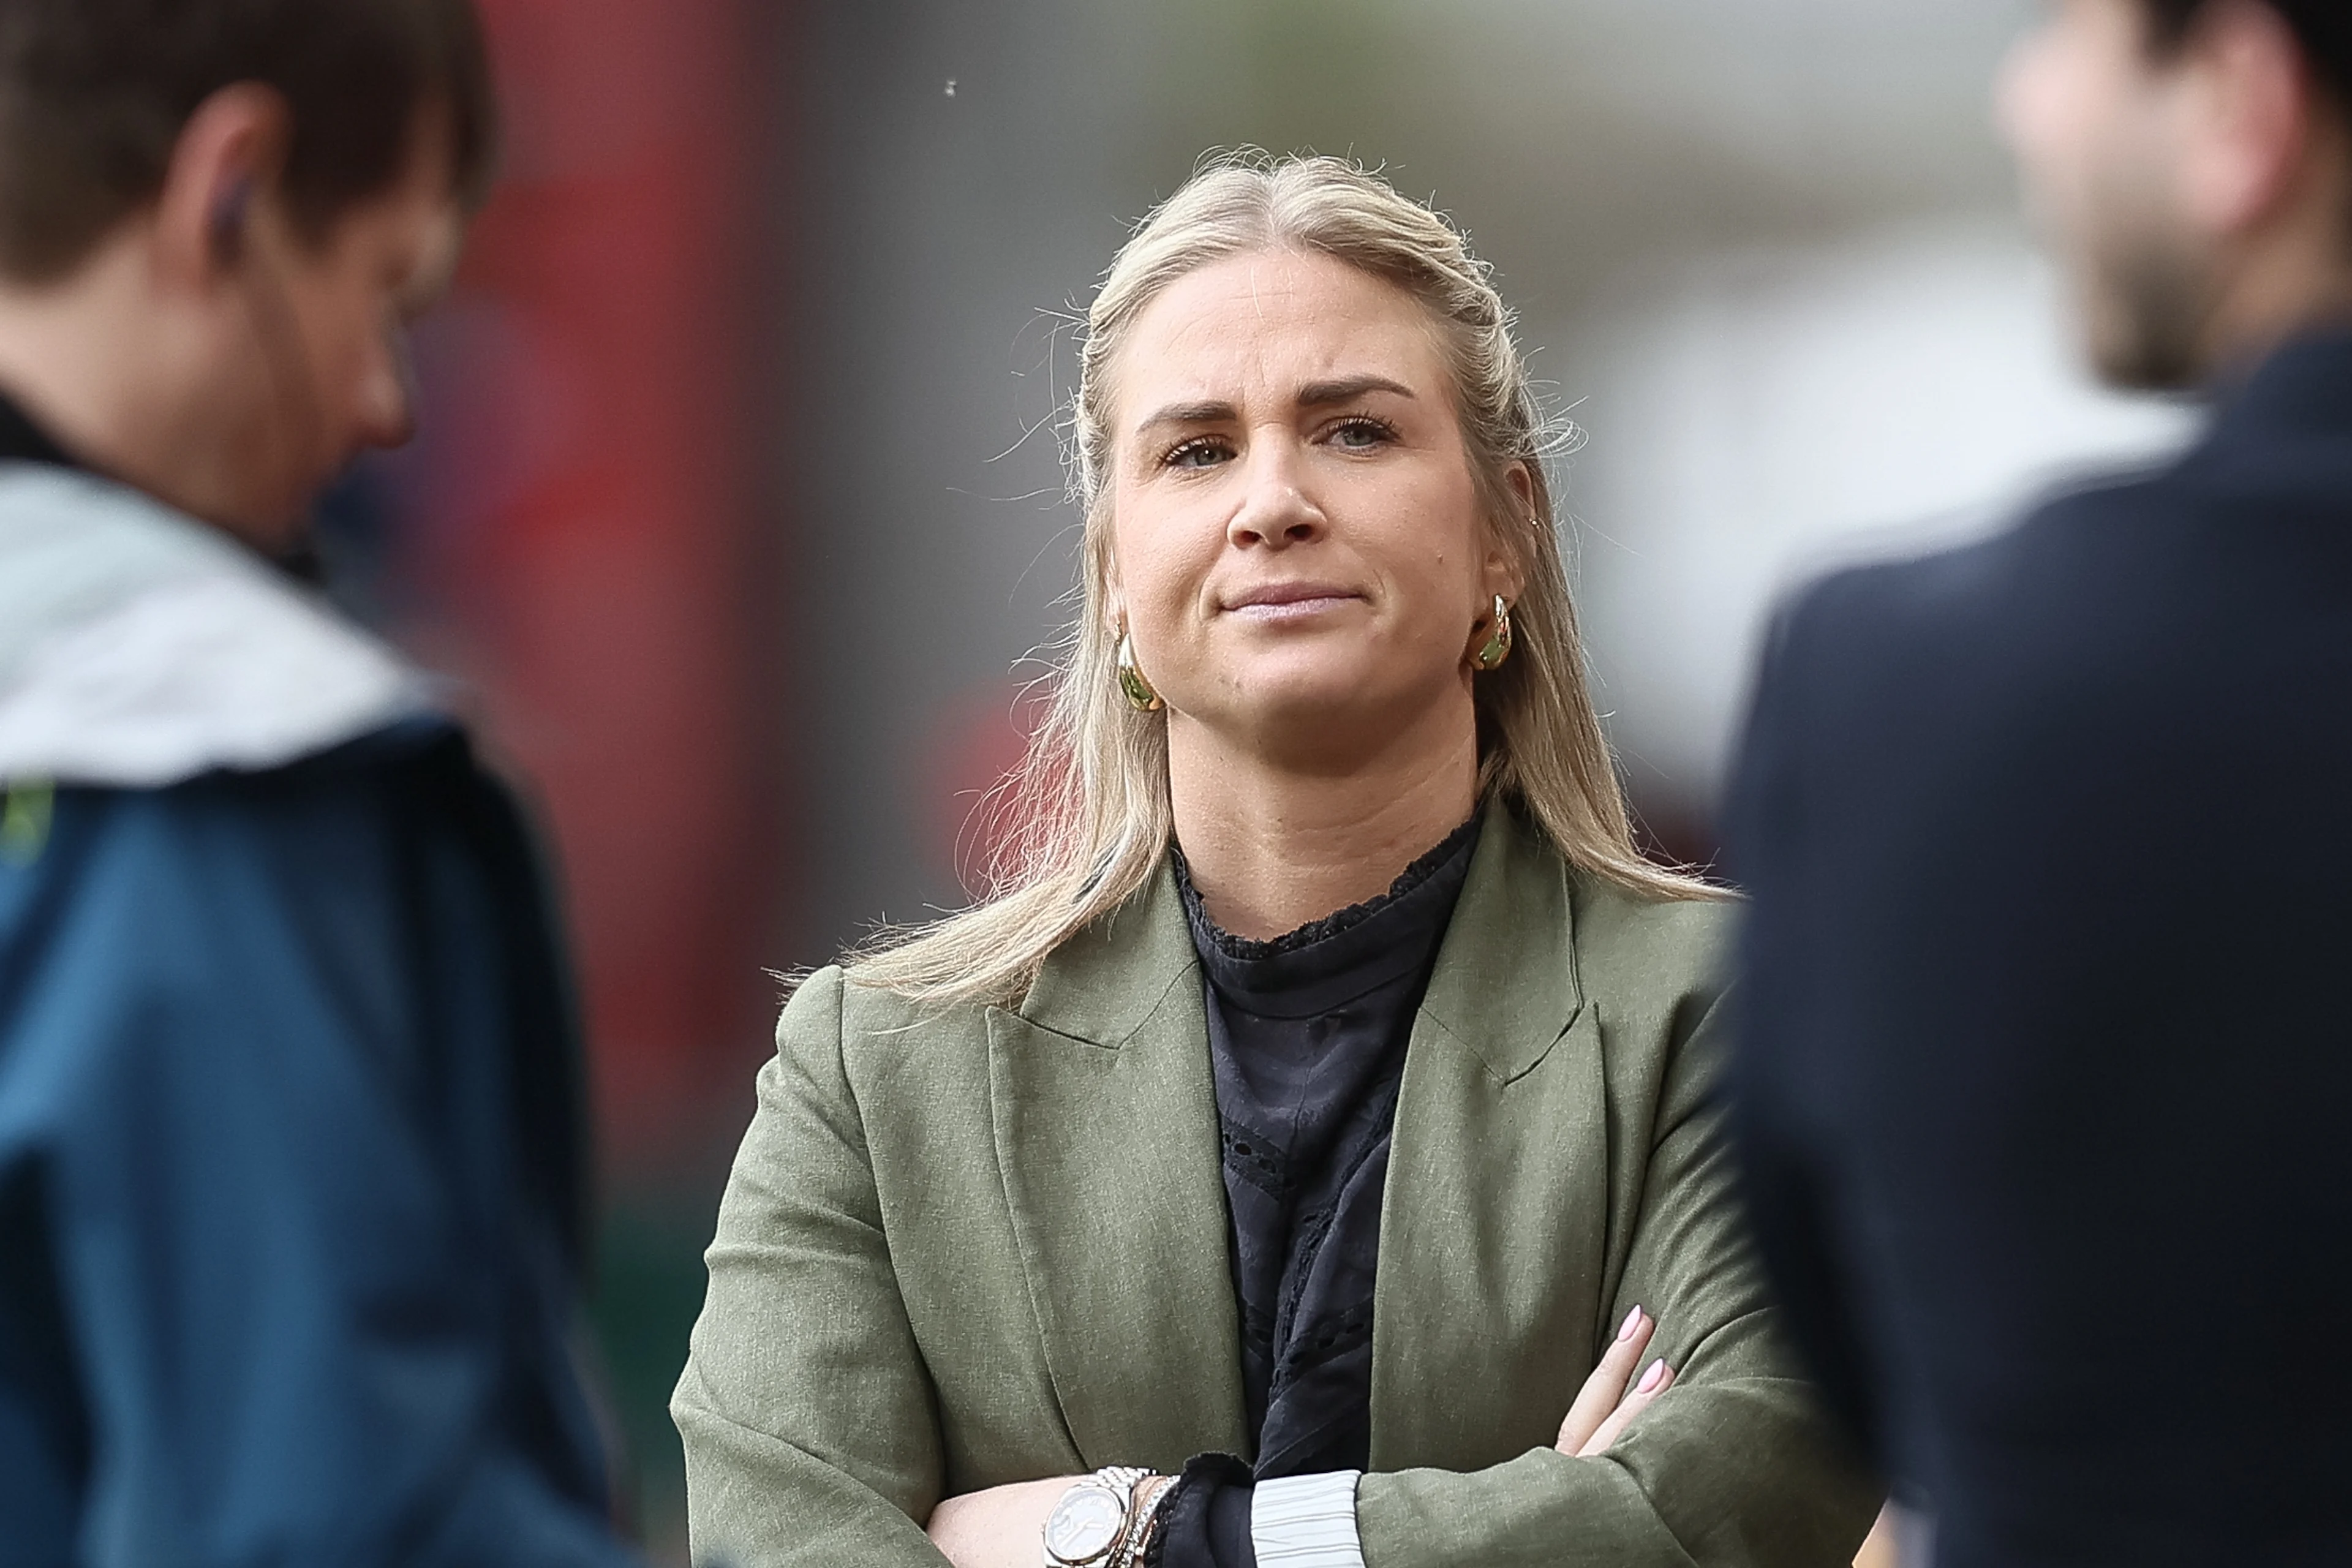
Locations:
(1143, 1518)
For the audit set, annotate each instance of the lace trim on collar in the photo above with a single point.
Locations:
(1247, 950)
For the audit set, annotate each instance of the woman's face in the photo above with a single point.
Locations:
(1296, 544)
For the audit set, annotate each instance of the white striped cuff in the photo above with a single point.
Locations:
(1307, 1522)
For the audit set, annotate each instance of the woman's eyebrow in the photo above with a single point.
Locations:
(1322, 393)
(1207, 413)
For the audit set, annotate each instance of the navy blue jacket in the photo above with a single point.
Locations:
(290, 1148)
(2044, 1076)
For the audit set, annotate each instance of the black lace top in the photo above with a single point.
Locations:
(1306, 1035)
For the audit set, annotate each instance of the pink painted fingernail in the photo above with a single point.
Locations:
(1632, 1321)
(1655, 1376)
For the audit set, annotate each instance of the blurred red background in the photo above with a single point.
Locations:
(580, 538)
(582, 544)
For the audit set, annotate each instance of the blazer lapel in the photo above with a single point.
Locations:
(1106, 1121)
(1493, 1223)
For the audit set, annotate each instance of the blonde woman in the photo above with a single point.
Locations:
(1308, 1154)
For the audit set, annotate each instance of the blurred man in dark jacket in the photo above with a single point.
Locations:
(291, 1149)
(2045, 1079)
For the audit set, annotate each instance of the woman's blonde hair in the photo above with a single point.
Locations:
(1086, 814)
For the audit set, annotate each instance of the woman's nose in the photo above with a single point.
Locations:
(1275, 509)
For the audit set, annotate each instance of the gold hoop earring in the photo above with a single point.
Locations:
(1498, 646)
(1140, 695)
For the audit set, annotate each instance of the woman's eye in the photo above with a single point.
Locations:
(1362, 435)
(1200, 452)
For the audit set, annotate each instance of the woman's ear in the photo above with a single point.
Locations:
(1522, 482)
(1502, 567)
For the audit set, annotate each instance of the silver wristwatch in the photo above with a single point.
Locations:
(1097, 1523)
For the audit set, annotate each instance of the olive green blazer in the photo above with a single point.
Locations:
(969, 1247)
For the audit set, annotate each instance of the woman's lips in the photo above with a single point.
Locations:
(1290, 601)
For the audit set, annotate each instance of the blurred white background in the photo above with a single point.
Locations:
(1776, 411)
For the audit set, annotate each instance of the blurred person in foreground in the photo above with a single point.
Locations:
(1313, 1138)
(290, 1196)
(2045, 1082)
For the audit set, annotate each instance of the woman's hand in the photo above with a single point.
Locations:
(1003, 1527)
(1606, 1406)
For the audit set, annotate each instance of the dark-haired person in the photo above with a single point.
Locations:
(2045, 1079)
(290, 1203)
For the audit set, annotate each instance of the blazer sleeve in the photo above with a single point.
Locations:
(811, 1431)
(1732, 1467)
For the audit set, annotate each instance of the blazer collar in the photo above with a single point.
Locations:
(1102, 983)
(1492, 1226)
(1106, 1120)
(1500, 986)
(1505, 984)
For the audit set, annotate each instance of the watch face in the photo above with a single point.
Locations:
(1084, 1524)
